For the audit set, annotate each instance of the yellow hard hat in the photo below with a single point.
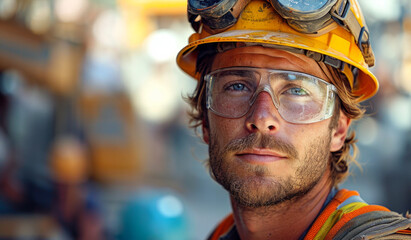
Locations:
(343, 42)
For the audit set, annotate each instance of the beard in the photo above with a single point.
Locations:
(251, 185)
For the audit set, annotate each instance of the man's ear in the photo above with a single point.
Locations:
(206, 133)
(339, 133)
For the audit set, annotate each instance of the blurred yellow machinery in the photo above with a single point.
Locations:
(53, 59)
(111, 127)
(44, 59)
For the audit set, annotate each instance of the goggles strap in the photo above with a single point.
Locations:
(345, 17)
(238, 8)
(335, 63)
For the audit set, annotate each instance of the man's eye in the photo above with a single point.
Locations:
(297, 91)
(237, 87)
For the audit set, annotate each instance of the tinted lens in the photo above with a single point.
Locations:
(303, 5)
(299, 97)
(201, 4)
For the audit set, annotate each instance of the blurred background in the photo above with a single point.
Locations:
(94, 137)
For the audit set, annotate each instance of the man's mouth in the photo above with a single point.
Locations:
(260, 156)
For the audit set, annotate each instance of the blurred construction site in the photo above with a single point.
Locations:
(94, 136)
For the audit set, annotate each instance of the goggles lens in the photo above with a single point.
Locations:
(303, 5)
(203, 4)
(299, 97)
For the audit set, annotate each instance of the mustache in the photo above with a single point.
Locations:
(258, 140)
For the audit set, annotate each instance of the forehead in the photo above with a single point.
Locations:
(261, 57)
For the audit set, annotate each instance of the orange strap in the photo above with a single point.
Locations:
(405, 231)
(347, 217)
(340, 197)
(223, 227)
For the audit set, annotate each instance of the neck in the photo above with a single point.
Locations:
(287, 220)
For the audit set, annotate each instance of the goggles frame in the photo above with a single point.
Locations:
(216, 17)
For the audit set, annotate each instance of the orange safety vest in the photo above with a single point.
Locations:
(347, 216)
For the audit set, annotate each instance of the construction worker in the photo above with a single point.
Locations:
(76, 206)
(279, 84)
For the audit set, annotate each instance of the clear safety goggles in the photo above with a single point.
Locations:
(299, 97)
(306, 16)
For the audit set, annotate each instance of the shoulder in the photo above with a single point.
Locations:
(347, 216)
(376, 225)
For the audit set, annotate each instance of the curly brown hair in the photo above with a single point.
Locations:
(346, 101)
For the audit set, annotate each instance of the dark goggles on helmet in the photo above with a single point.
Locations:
(306, 16)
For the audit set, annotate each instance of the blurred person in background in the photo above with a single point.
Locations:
(279, 85)
(11, 192)
(76, 206)
(25, 186)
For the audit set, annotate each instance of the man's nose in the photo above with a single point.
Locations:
(263, 116)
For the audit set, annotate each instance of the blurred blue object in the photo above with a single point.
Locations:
(154, 214)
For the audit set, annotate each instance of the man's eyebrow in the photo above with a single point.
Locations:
(240, 73)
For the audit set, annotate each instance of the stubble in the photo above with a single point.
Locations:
(257, 188)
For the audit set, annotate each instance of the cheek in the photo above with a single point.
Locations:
(303, 135)
(225, 129)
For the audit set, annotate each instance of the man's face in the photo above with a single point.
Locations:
(260, 158)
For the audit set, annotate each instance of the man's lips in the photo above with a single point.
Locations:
(259, 155)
